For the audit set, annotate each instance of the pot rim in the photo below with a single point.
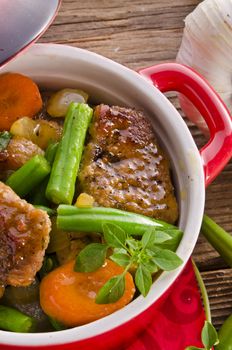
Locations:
(140, 304)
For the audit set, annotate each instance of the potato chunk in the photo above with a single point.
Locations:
(18, 152)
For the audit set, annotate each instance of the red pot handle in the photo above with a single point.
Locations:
(177, 77)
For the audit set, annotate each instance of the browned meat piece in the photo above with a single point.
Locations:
(24, 236)
(123, 167)
(18, 152)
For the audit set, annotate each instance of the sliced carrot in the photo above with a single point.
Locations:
(19, 97)
(69, 296)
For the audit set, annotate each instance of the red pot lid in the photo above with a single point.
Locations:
(22, 23)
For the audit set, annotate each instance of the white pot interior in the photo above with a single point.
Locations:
(58, 66)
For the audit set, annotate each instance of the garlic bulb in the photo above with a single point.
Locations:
(207, 47)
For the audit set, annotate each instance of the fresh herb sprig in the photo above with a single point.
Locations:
(209, 337)
(146, 256)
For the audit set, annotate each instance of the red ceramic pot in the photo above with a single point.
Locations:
(59, 66)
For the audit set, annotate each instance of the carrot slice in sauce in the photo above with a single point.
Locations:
(19, 97)
(69, 296)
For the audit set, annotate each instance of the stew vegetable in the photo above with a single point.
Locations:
(93, 181)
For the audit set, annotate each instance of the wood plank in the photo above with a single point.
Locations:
(132, 33)
(218, 284)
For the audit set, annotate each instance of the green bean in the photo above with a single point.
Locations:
(225, 335)
(38, 196)
(71, 218)
(23, 180)
(218, 238)
(50, 152)
(61, 185)
(222, 242)
(49, 211)
(56, 324)
(15, 321)
(49, 264)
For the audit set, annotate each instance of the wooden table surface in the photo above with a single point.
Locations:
(140, 33)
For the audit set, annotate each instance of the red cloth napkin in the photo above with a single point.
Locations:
(178, 321)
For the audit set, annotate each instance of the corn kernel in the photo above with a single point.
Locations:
(84, 200)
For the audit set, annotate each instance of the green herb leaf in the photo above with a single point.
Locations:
(120, 259)
(120, 251)
(114, 235)
(133, 244)
(150, 265)
(193, 348)
(161, 237)
(146, 255)
(172, 243)
(112, 290)
(166, 259)
(143, 280)
(91, 258)
(5, 137)
(152, 237)
(209, 335)
(147, 238)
